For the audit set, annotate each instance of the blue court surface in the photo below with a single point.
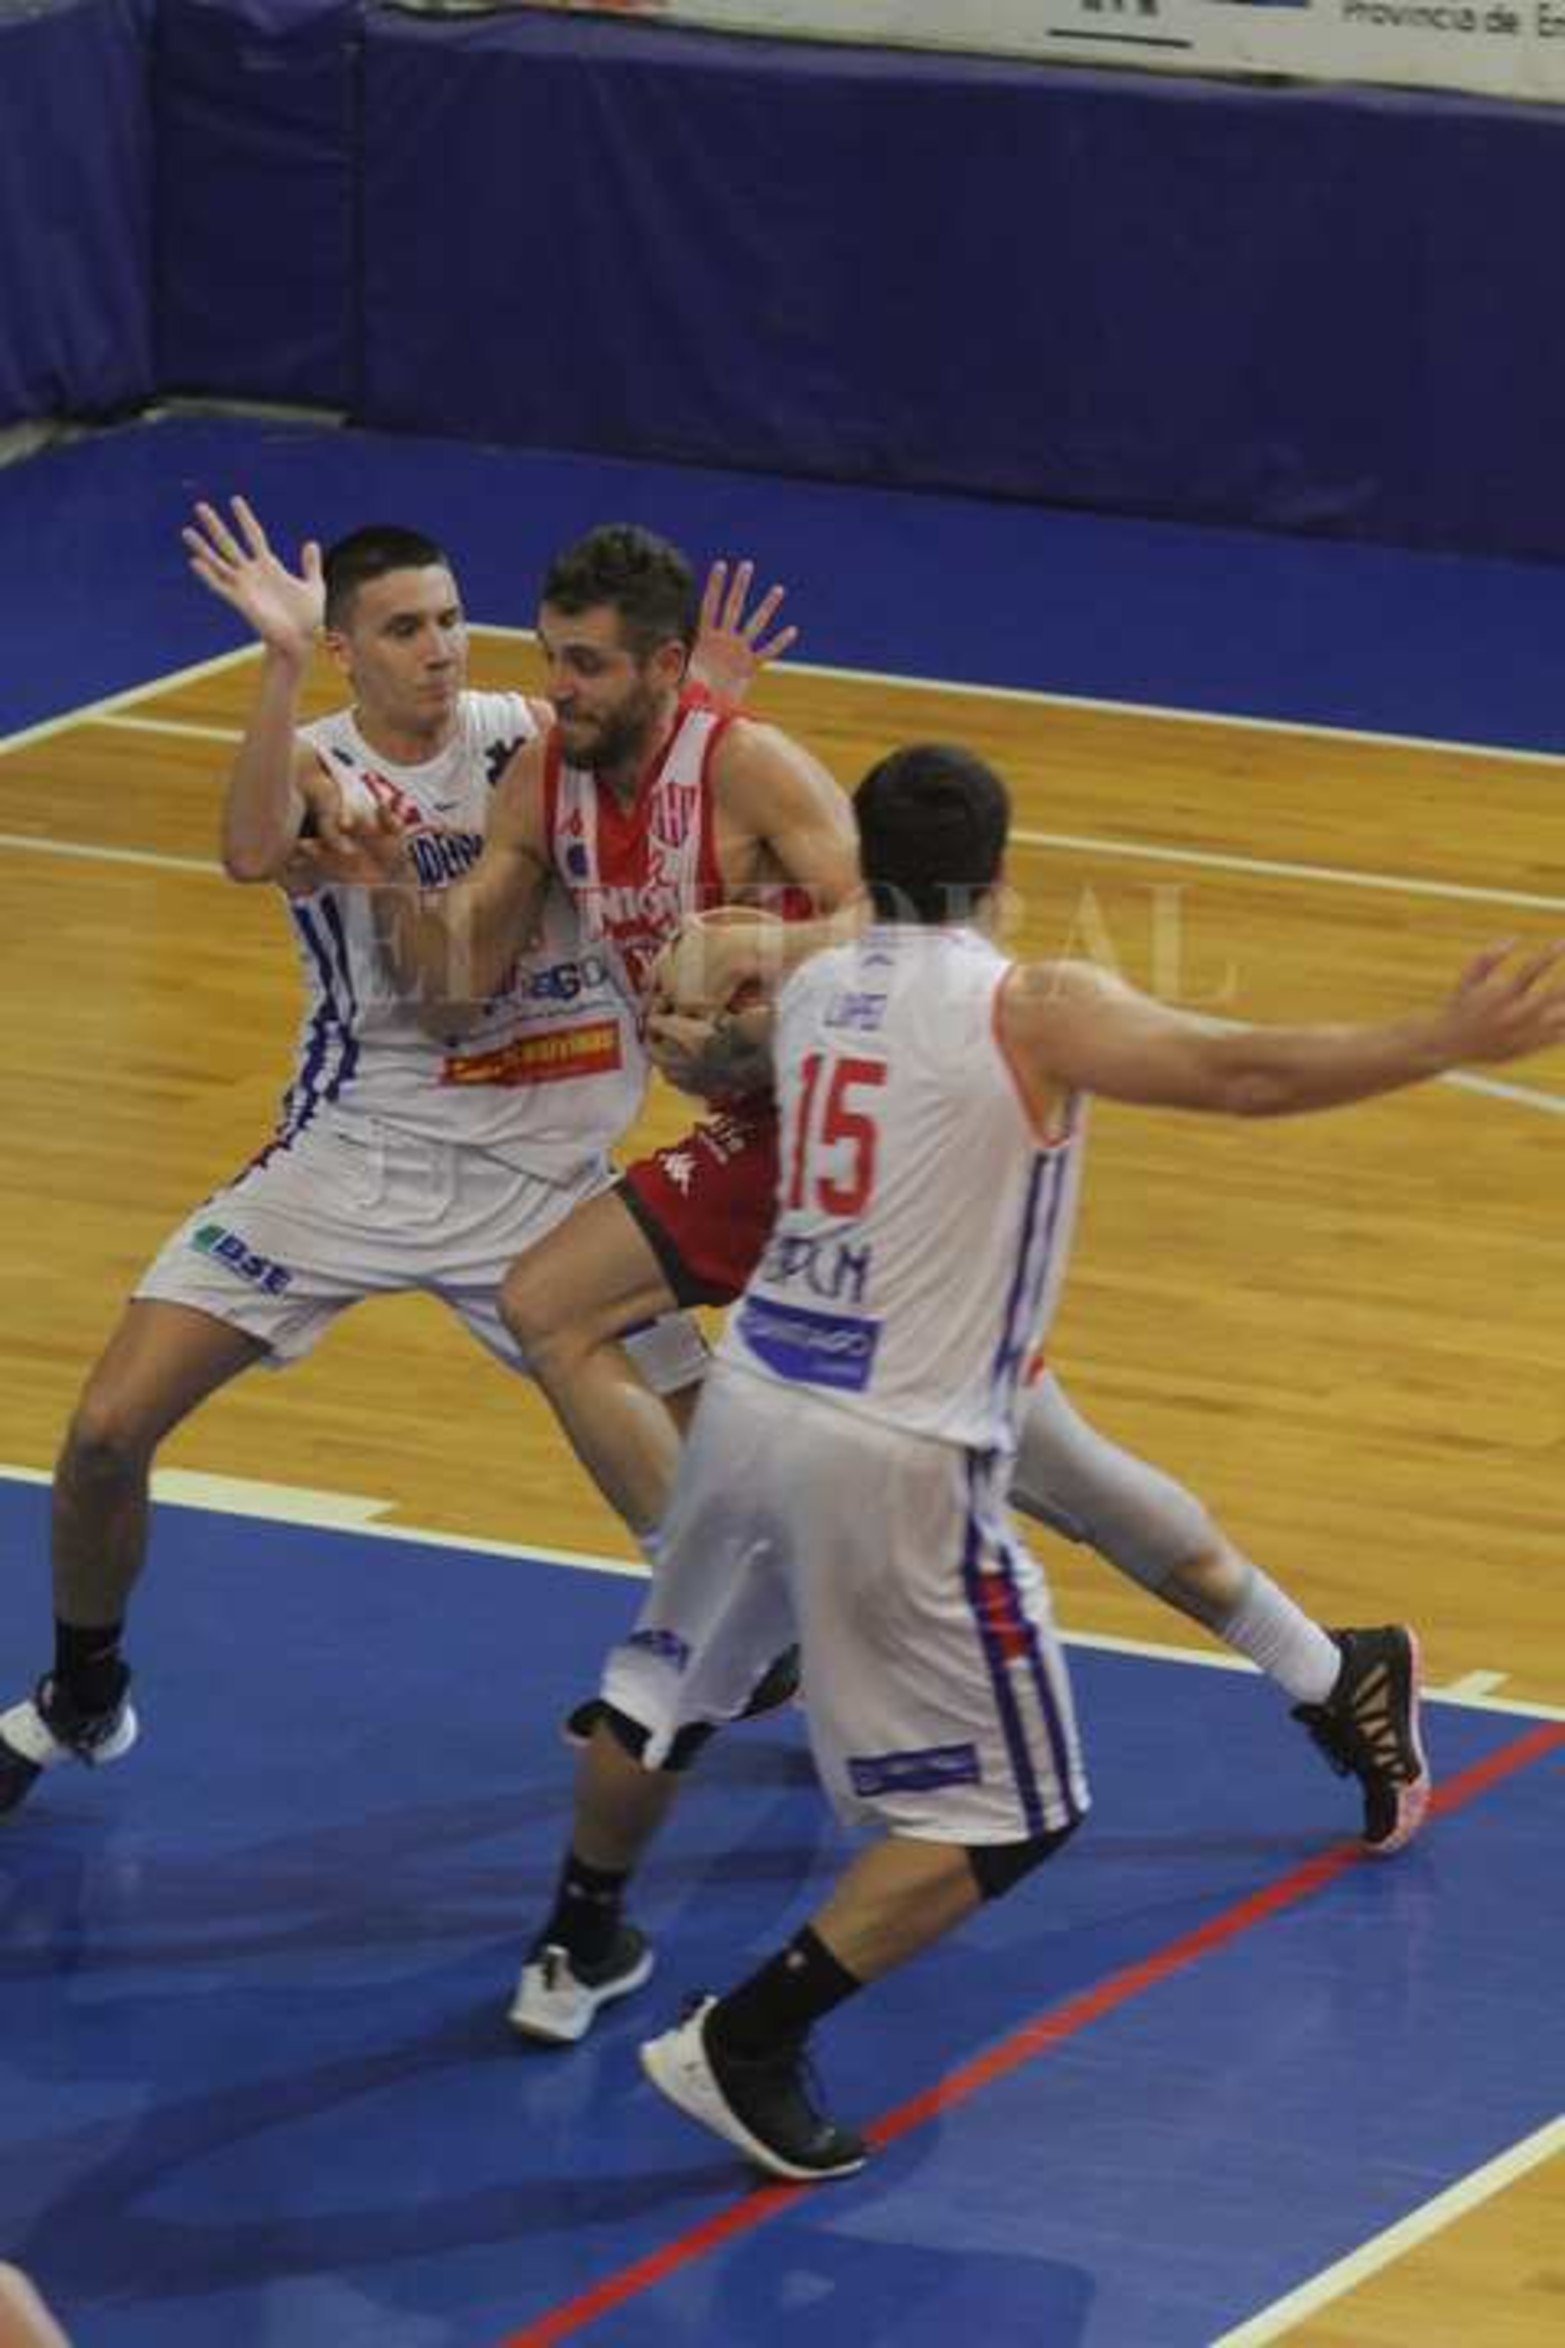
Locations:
(1443, 647)
(256, 2086)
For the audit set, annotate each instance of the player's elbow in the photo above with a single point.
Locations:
(249, 861)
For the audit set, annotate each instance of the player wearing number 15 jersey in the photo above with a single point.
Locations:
(845, 1474)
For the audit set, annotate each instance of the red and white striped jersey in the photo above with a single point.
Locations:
(634, 871)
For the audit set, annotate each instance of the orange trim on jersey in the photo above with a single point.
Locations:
(561, 1052)
(1029, 1107)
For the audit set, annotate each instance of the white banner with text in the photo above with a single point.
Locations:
(1506, 48)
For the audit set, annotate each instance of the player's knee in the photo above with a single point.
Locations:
(107, 1443)
(533, 1307)
(633, 1738)
(998, 1867)
(1210, 1582)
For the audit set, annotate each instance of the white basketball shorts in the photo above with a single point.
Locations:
(350, 1209)
(935, 1689)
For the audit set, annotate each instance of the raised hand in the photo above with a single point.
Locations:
(1504, 1005)
(730, 650)
(237, 563)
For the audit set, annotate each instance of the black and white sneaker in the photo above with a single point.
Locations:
(46, 1729)
(1368, 1728)
(777, 1686)
(762, 2104)
(557, 1996)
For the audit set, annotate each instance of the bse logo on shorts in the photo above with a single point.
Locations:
(810, 1349)
(229, 1249)
(921, 1772)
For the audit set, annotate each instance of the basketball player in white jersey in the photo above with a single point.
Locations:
(845, 1476)
(405, 1159)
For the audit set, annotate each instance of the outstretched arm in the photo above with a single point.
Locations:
(264, 807)
(1069, 1027)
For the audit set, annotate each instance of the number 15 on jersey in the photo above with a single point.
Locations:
(832, 1170)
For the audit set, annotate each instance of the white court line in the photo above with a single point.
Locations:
(1092, 844)
(1527, 1096)
(1467, 2194)
(1475, 1683)
(361, 1516)
(1035, 696)
(284, 1504)
(1027, 695)
(1524, 1096)
(1088, 843)
(23, 843)
(1277, 868)
(167, 725)
(115, 701)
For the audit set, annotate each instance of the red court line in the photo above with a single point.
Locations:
(1034, 2038)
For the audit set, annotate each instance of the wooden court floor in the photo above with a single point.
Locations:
(1345, 1331)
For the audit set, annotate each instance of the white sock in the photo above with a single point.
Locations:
(1280, 1639)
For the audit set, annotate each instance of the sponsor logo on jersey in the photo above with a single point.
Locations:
(442, 857)
(833, 1269)
(561, 982)
(591, 1049)
(863, 1013)
(391, 795)
(914, 1772)
(228, 1249)
(498, 757)
(673, 805)
(807, 1348)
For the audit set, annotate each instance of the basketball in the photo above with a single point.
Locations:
(705, 969)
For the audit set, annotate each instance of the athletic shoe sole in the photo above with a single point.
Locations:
(1412, 1798)
(542, 2031)
(678, 2068)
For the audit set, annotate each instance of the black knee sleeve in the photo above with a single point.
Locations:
(997, 1866)
(631, 1737)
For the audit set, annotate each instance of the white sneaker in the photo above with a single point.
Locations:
(763, 2105)
(557, 1999)
(43, 1731)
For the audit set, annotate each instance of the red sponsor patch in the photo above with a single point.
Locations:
(549, 1058)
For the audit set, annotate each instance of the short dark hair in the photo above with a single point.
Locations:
(644, 578)
(369, 554)
(932, 824)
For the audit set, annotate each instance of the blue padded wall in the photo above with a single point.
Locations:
(1299, 309)
(257, 127)
(75, 208)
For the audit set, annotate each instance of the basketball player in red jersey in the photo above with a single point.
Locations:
(647, 802)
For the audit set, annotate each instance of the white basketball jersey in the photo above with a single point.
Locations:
(923, 1227)
(555, 1070)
